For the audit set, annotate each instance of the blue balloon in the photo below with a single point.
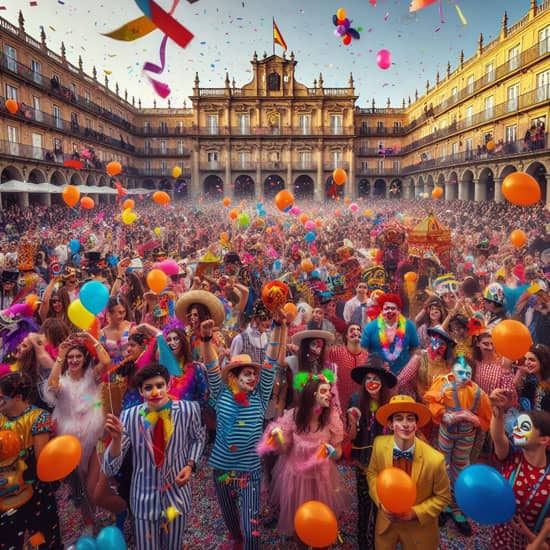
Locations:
(485, 495)
(94, 296)
(111, 538)
(315, 274)
(277, 265)
(86, 543)
(74, 246)
(310, 237)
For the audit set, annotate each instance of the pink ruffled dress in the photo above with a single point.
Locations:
(300, 475)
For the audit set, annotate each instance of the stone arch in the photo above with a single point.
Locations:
(244, 187)
(486, 185)
(213, 186)
(508, 169)
(57, 178)
(165, 185)
(364, 189)
(538, 170)
(149, 183)
(467, 187)
(333, 191)
(90, 180)
(273, 184)
(396, 189)
(430, 184)
(102, 181)
(419, 190)
(304, 187)
(379, 190)
(76, 179)
(11, 173)
(181, 189)
(37, 176)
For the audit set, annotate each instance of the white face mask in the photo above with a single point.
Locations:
(462, 373)
(522, 430)
(323, 396)
(173, 341)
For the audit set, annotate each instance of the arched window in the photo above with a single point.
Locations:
(274, 82)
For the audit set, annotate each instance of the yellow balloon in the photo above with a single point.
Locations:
(79, 315)
(176, 172)
(128, 217)
(157, 230)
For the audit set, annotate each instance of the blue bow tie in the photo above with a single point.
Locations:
(407, 455)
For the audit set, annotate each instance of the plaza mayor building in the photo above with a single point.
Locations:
(463, 130)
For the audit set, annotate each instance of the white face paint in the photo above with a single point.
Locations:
(323, 395)
(174, 341)
(522, 430)
(462, 373)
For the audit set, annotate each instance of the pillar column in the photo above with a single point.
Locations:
(289, 183)
(227, 176)
(23, 199)
(498, 190)
(194, 185)
(259, 187)
(450, 191)
(462, 191)
(351, 176)
(480, 191)
(319, 194)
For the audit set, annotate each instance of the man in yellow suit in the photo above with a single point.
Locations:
(418, 528)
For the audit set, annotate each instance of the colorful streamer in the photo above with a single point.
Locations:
(132, 30)
(461, 15)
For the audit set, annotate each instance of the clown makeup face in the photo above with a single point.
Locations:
(155, 392)
(522, 430)
(437, 348)
(316, 346)
(462, 373)
(247, 379)
(373, 384)
(390, 312)
(435, 314)
(174, 341)
(193, 318)
(323, 396)
(75, 361)
(353, 333)
(449, 299)
(404, 428)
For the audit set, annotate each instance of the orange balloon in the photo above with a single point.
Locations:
(10, 444)
(521, 189)
(410, 276)
(59, 457)
(339, 176)
(303, 218)
(161, 197)
(233, 214)
(156, 280)
(114, 168)
(291, 310)
(129, 203)
(511, 339)
(518, 238)
(284, 200)
(437, 192)
(87, 203)
(347, 200)
(337, 213)
(226, 201)
(396, 490)
(316, 524)
(12, 106)
(71, 194)
(490, 145)
(307, 265)
(224, 237)
(318, 222)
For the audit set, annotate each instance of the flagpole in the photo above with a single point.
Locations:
(273, 37)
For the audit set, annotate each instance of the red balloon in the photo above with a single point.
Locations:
(346, 39)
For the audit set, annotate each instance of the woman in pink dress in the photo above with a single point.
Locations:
(309, 441)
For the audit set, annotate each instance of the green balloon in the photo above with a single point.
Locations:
(243, 219)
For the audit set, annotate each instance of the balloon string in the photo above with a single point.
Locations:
(441, 11)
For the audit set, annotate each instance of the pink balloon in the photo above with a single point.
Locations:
(383, 59)
(309, 224)
(353, 207)
(169, 267)
(295, 210)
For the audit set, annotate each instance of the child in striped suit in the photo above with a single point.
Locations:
(160, 495)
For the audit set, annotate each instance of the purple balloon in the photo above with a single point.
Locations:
(383, 59)
(347, 23)
(341, 30)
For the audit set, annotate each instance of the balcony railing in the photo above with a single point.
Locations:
(163, 152)
(159, 172)
(330, 166)
(502, 150)
(384, 131)
(376, 171)
(502, 110)
(246, 166)
(164, 131)
(305, 166)
(212, 166)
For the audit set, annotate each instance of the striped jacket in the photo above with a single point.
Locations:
(154, 489)
(239, 427)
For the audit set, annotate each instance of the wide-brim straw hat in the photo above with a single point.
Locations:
(323, 334)
(374, 364)
(403, 404)
(242, 360)
(207, 299)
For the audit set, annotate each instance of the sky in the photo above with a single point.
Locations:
(226, 33)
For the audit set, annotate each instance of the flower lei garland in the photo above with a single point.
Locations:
(398, 339)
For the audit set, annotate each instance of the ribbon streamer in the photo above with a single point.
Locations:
(461, 15)
(132, 30)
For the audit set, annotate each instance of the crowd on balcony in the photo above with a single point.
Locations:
(307, 398)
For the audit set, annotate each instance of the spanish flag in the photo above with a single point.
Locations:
(278, 37)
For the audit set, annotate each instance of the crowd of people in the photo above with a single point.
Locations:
(282, 348)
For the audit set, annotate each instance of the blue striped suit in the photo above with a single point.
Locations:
(154, 489)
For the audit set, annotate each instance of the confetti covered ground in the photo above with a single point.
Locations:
(206, 530)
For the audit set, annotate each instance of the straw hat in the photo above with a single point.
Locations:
(238, 361)
(324, 334)
(207, 299)
(403, 404)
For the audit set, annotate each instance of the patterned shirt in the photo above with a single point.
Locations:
(346, 361)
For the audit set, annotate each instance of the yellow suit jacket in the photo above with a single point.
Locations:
(433, 488)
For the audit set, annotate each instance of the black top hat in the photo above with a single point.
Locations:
(232, 258)
(374, 364)
(9, 276)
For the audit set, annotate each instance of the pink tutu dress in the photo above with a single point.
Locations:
(300, 475)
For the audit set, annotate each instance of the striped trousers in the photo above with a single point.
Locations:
(238, 495)
(159, 534)
(456, 447)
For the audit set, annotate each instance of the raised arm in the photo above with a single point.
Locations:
(499, 400)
